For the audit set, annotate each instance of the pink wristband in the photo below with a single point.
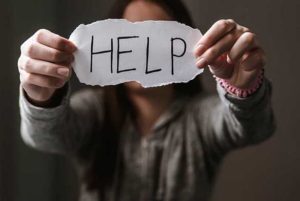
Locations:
(242, 93)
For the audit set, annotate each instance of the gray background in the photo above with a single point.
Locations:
(269, 171)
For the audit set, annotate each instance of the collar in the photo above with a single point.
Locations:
(175, 108)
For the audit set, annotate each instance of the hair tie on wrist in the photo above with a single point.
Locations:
(242, 93)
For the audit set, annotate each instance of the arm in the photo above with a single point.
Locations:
(231, 122)
(50, 121)
(240, 116)
(62, 129)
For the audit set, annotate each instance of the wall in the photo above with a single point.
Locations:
(264, 172)
(269, 171)
(7, 108)
(37, 174)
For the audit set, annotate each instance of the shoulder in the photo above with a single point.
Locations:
(203, 102)
(89, 102)
(88, 96)
(204, 108)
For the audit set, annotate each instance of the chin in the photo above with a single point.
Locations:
(137, 88)
(134, 86)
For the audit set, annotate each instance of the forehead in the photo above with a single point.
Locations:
(145, 10)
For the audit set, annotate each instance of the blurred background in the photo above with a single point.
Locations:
(269, 171)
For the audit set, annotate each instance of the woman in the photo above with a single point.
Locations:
(132, 143)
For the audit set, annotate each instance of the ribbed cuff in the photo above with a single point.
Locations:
(37, 112)
(242, 93)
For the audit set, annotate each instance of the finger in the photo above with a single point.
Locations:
(41, 80)
(218, 49)
(55, 41)
(43, 67)
(246, 42)
(214, 34)
(221, 68)
(39, 51)
(253, 60)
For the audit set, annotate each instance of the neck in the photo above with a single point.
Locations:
(149, 104)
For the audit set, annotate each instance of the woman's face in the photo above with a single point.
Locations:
(140, 11)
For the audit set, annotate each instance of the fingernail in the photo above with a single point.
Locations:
(201, 63)
(229, 60)
(63, 71)
(199, 50)
(70, 58)
(70, 48)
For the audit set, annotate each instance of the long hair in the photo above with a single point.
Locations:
(103, 151)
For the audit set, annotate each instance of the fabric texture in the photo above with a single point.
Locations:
(177, 161)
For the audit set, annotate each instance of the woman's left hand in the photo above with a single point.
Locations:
(232, 52)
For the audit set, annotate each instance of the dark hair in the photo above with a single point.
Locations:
(103, 154)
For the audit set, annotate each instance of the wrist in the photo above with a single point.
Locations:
(44, 102)
(245, 91)
(53, 99)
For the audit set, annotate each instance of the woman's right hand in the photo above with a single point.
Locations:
(45, 65)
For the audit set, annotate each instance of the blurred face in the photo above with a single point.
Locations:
(143, 10)
(140, 11)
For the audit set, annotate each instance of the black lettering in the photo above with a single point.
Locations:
(176, 55)
(147, 60)
(123, 52)
(102, 52)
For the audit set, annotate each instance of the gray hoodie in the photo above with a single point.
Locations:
(177, 161)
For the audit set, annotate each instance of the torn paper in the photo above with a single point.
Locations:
(153, 53)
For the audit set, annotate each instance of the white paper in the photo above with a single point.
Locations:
(95, 67)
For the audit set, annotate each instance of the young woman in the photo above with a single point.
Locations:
(132, 143)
